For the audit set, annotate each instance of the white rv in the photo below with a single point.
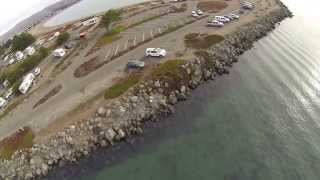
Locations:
(19, 55)
(90, 22)
(29, 51)
(26, 83)
(59, 52)
(3, 102)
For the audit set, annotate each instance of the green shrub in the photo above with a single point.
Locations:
(110, 36)
(22, 41)
(62, 38)
(109, 17)
(122, 86)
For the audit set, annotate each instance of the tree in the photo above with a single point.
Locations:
(22, 41)
(109, 17)
(2, 50)
(62, 38)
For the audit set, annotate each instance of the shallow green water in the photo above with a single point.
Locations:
(261, 122)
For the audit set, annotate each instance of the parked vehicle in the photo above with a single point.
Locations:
(59, 52)
(194, 14)
(8, 94)
(3, 102)
(90, 22)
(19, 55)
(221, 19)
(69, 45)
(156, 52)
(37, 71)
(215, 23)
(29, 51)
(247, 5)
(199, 12)
(26, 83)
(135, 64)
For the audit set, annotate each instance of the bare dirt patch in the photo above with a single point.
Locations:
(87, 67)
(212, 6)
(51, 93)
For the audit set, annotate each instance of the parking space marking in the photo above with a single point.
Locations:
(151, 34)
(116, 52)
(143, 36)
(126, 44)
(134, 41)
(159, 29)
(108, 54)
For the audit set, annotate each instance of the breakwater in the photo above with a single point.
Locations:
(124, 116)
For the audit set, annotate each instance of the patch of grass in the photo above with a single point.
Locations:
(171, 72)
(23, 139)
(122, 86)
(87, 67)
(110, 36)
(202, 41)
(212, 6)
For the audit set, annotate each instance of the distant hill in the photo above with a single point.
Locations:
(38, 17)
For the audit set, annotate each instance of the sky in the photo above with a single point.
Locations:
(14, 11)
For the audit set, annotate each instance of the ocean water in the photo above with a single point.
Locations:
(261, 122)
(87, 8)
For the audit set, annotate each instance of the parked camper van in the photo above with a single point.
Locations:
(29, 51)
(26, 83)
(3, 102)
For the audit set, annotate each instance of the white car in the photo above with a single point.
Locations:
(199, 12)
(215, 23)
(221, 19)
(37, 71)
(194, 14)
(234, 16)
(3, 102)
(156, 52)
(59, 52)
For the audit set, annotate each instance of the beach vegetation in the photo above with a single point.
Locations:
(22, 139)
(22, 41)
(122, 86)
(62, 38)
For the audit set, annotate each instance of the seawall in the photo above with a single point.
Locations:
(148, 101)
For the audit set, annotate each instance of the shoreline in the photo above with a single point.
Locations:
(73, 143)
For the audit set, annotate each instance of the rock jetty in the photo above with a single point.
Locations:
(125, 116)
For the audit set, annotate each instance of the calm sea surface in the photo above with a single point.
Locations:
(86, 8)
(261, 122)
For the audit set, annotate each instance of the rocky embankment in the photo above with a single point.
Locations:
(125, 116)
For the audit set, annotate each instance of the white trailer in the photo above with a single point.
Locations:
(90, 22)
(3, 102)
(26, 83)
(29, 51)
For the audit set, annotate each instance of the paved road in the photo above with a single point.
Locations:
(79, 90)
